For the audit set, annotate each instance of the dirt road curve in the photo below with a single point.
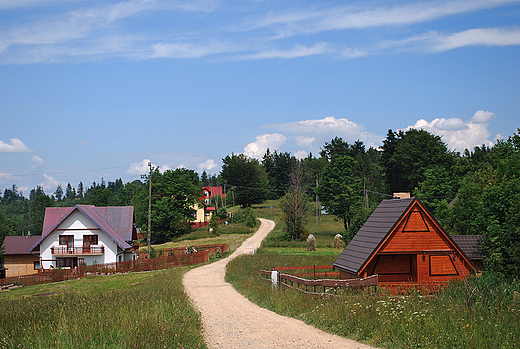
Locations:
(231, 321)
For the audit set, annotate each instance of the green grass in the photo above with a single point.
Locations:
(137, 310)
(381, 319)
(233, 234)
(324, 231)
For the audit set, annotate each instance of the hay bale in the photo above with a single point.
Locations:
(311, 243)
(338, 242)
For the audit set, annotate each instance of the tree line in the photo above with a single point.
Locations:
(473, 192)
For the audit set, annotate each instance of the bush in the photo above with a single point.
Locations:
(246, 216)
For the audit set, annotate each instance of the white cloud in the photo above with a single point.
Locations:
(87, 31)
(14, 146)
(142, 168)
(482, 117)
(478, 37)
(450, 124)
(325, 125)
(188, 50)
(354, 53)
(323, 130)
(5, 176)
(439, 42)
(304, 141)
(301, 154)
(295, 52)
(50, 183)
(314, 20)
(458, 134)
(258, 148)
(139, 168)
(207, 165)
(37, 161)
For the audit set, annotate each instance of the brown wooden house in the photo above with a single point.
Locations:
(402, 242)
(18, 259)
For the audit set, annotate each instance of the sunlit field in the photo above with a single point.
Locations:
(137, 310)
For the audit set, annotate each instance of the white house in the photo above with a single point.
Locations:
(85, 234)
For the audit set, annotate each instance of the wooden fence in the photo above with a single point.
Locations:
(317, 271)
(329, 287)
(55, 275)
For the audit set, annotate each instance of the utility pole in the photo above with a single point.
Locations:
(318, 206)
(149, 235)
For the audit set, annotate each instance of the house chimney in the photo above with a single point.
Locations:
(401, 195)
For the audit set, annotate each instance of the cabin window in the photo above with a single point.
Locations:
(442, 265)
(36, 265)
(393, 264)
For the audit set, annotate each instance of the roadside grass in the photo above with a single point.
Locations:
(137, 310)
(449, 319)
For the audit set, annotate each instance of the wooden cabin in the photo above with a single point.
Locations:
(402, 242)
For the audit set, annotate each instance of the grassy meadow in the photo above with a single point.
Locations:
(136, 310)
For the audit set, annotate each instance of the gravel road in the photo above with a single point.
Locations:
(231, 321)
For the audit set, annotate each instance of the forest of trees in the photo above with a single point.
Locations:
(474, 192)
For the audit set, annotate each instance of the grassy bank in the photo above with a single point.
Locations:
(138, 310)
(449, 320)
(324, 229)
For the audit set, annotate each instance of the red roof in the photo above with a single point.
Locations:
(115, 221)
(19, 244)
(214, 191)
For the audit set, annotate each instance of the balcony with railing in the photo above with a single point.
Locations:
(75, 251)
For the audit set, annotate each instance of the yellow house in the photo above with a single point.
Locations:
(17, 258)
(202, 213)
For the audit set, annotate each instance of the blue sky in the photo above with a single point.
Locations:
(98, 89)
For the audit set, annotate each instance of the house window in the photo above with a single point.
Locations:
(70, 262)
(67, 240)
(36, 265)
(90, 240)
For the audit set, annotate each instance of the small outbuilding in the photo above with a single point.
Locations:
(402, 242)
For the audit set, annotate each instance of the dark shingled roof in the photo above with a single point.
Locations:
(14, 245)
(470, 245)
(372, 234)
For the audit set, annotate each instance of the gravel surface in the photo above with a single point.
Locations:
(231, 321)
